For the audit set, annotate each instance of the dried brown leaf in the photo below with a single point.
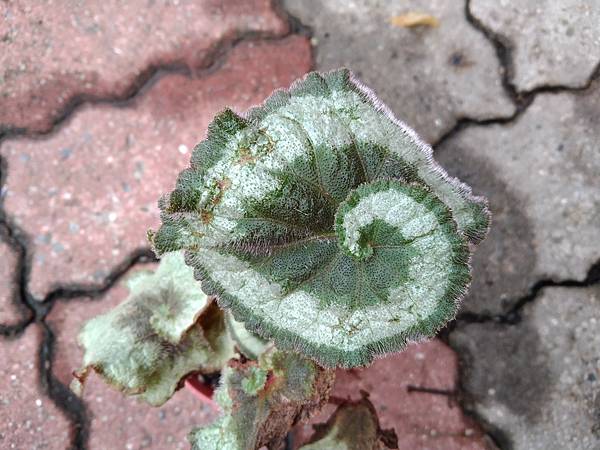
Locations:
(414, 19)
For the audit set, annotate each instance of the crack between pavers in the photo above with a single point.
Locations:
(16, 240)
(71, 406)
(215, 59)
(525, 100)
(504, 48)
(450, 393)
(296, 26)
(522, 100)
(71, 291)
(26, 313)
(513, 316)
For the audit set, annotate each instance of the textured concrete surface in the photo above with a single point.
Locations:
(552, 42)
(429, 76)
(541, 175)
(88, 193)
(28, 419)
(51, 54)
(421, 420)
(539, 380)
(117, 421)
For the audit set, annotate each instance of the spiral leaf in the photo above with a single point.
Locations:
(324, 224)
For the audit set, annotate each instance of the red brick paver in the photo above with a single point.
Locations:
(88, 193)
(119, 422)
(28, 419)
(423, 421)
(10, 312)
(51, 54)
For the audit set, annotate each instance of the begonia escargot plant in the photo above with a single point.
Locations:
(327, 234)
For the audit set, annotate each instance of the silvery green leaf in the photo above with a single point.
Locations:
(324, 224)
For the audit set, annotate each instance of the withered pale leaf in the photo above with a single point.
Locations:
(165, 329)
(261, 401)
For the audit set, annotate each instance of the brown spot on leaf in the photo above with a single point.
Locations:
(206, 216)
(245, 156)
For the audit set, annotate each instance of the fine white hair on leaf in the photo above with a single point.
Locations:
(324, 223)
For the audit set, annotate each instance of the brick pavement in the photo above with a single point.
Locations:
(94, 183)
(53, 57)
(30, 420)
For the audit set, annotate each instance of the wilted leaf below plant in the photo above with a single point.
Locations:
(165, 329)
(354, 426)
(262, 400)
